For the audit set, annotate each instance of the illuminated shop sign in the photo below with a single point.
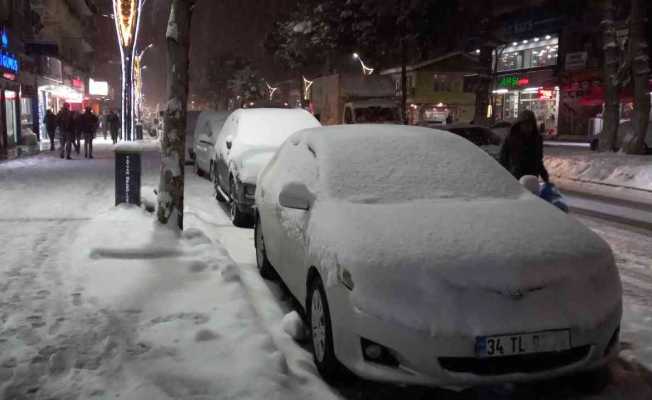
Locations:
(8, 61)
(513, 82)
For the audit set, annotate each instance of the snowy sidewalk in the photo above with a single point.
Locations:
(101, 302)
(614, 174)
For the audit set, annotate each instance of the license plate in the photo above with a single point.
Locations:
(526, 343)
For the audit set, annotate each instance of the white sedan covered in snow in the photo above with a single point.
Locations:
(420, 260)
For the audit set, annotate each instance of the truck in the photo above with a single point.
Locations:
(354, 99)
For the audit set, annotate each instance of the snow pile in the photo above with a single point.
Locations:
(601, 168)
(293, 325)
(153, 314)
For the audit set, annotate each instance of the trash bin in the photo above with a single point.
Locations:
(128, 171)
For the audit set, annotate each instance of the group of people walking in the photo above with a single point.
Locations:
(73, 126)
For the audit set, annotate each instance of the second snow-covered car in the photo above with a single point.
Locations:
(420, 260)
(248, 140)
(209, 125)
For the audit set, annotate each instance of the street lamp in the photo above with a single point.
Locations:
(271, 89)
(306, 88)
(365, 69)
(127, 23)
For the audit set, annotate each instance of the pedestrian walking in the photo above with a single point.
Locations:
(105, 125)
(522, 151)
(77, 132)
(114, 125)
(50, 122)
(88, 126)
(66, 133)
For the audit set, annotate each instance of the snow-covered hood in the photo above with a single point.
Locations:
(251, 163)
(404, 257)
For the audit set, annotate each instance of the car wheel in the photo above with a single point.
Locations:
(198, 170)
(238, 218)
(595, 143)
(216, 185)
(321, 331)
(264, 266)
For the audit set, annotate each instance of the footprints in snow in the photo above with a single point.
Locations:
(197, 318)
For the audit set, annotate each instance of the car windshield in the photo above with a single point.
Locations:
(400, 168)
(367, 115)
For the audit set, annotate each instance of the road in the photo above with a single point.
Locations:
(44, 200)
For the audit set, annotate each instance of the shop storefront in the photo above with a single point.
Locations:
(56, 89)
(9, 97)
(525, 80)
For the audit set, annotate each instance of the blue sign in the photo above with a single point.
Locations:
(4, 39)
(9, 62)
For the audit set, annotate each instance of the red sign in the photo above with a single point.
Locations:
(78, 83)
(9, 76)
(523, 82)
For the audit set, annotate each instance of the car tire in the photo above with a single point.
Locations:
(238, 218)
(198, 170)
(216, 185)
(264, 266)
(595, 143)
(321, 331)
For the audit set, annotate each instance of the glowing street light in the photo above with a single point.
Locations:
(306, 88)
(127, 23)
(271, 89)
(365, 69)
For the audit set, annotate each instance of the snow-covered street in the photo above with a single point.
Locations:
(86, 313)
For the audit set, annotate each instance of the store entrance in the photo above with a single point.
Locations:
(11, 117)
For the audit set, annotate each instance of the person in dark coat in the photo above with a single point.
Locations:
(77, 132)
(66, 130)
(50, 122)
(522, 151)
(114, 125)
(88, 125)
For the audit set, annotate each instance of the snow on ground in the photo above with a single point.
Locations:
(631, 248)
(101, 302)
(602, 168)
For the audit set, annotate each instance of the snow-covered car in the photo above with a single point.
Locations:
(420, 260)
(209, 125)
(248, 140)
(481, 136)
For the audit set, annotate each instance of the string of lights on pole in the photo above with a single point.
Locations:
(306, 88)
(127, 23)
(271, 89)
(365, 69)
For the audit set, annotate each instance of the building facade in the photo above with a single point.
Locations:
(438, 90)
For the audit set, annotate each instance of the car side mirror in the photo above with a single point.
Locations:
(229, 143)
(296, 196)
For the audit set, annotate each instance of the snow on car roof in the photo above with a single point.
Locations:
(269, 127)
(395, 163)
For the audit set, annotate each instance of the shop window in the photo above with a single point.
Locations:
(26, 117)
(534, 53)
(10, 110)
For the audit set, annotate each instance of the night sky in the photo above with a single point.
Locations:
(219, 27)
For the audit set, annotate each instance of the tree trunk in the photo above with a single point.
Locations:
(611, 60)
(404, 88)
(639, 58)
(173, 158)
(484, 84)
